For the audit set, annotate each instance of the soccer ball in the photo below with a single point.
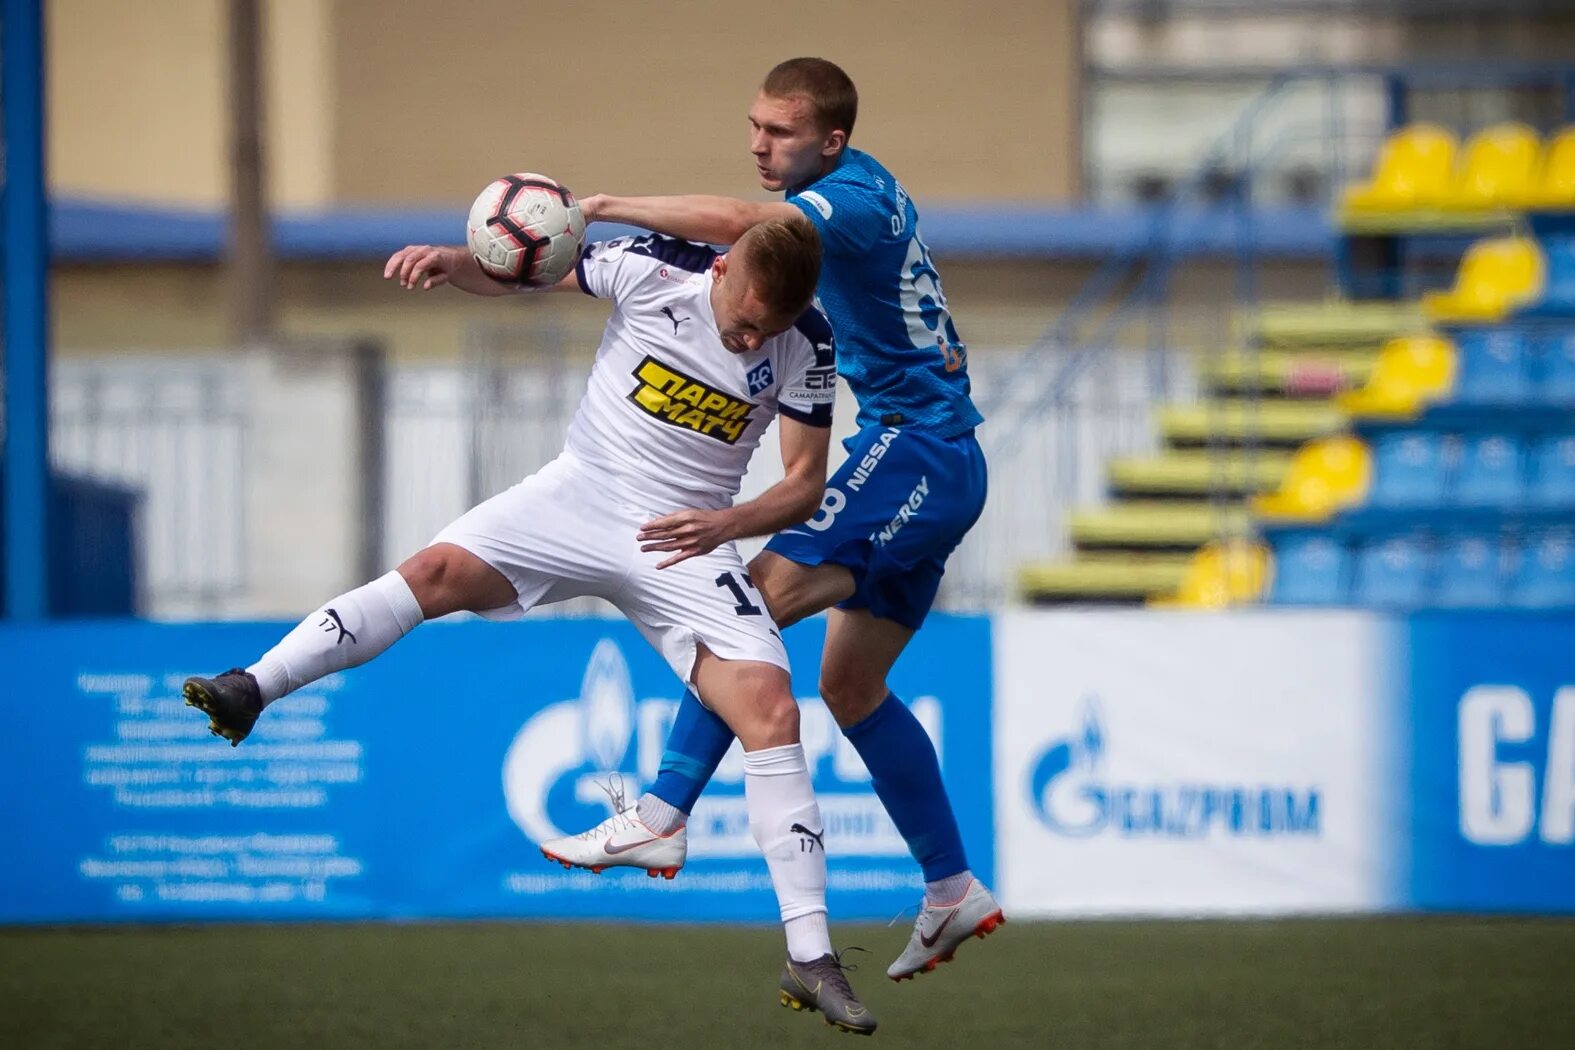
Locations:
(526, 229)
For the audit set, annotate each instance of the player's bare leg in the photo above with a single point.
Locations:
(347, 631)
(793, 591)
(860, 651)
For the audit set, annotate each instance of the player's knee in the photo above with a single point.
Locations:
(779, 717)
(850, 695)
(430, 574)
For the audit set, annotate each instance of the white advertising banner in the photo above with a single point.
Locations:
(1183, 763)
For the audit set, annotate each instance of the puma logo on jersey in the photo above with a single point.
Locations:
(675, 398)
(668, 310)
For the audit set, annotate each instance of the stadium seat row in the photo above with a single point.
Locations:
(1504, 365)
(1415, 469)
(1425, 470)
(1489, 366)
(1533, 571)
(1502, 166)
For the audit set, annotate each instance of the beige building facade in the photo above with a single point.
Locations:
(403, 101)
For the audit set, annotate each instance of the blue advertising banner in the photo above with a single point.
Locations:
(417, 785)
(1492, 762)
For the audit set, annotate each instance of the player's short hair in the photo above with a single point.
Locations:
(782, 260)
(830, 91)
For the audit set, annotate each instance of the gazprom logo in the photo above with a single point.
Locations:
(1071, 795)
(570, 760)
(588, 735)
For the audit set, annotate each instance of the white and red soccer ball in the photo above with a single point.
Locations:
(526, 229)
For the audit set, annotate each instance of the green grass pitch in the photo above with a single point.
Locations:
(1433, 983)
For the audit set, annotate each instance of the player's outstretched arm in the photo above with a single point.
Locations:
(695, 217)
(427, 266)
(794, 499)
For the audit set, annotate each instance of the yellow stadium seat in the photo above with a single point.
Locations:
(1496, 276)
(1500, 167)
(1325, 476)
(1555, 187)
(1414, 170)
(1410, 372)
(1220, 575)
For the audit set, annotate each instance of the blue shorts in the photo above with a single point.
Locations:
(892, 514)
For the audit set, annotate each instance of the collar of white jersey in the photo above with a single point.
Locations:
(707, 279)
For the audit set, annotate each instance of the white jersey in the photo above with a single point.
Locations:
(671, 416)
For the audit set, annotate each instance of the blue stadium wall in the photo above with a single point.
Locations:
(1265, 762)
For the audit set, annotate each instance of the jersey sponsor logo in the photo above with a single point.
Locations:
(820, 385)
(760, 377)
(817, 202)
(872, 459)
(681, 401)
(906, 513)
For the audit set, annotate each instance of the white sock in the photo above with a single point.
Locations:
(949, 890)
(785, 820)
(808, 937)
(345, 632)
(660, 815)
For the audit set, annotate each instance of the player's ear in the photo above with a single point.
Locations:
(719, 267)
(835, 140)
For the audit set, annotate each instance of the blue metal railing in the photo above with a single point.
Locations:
(1143, 269)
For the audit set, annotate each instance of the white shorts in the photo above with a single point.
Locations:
(559, 534)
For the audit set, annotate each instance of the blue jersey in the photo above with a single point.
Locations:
(896, 344)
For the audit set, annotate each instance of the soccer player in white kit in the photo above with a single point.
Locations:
(702, 350)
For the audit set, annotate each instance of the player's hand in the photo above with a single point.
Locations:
(591, 207)
(689, 532)
(423, 266)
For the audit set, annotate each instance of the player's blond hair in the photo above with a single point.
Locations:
(828, 89)
(782, 260)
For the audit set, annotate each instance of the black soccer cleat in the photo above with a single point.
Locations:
(231, 701)
(821, 984)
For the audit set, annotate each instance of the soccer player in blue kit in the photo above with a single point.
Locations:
(912, 486)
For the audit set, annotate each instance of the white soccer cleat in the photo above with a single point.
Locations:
(621, 841)
(940, 928)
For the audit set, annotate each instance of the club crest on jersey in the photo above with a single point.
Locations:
(760, 377)
(675, 398)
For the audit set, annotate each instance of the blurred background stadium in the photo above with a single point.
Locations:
(1271, 311)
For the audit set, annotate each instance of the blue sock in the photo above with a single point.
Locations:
(907, 777)
(695, 746)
